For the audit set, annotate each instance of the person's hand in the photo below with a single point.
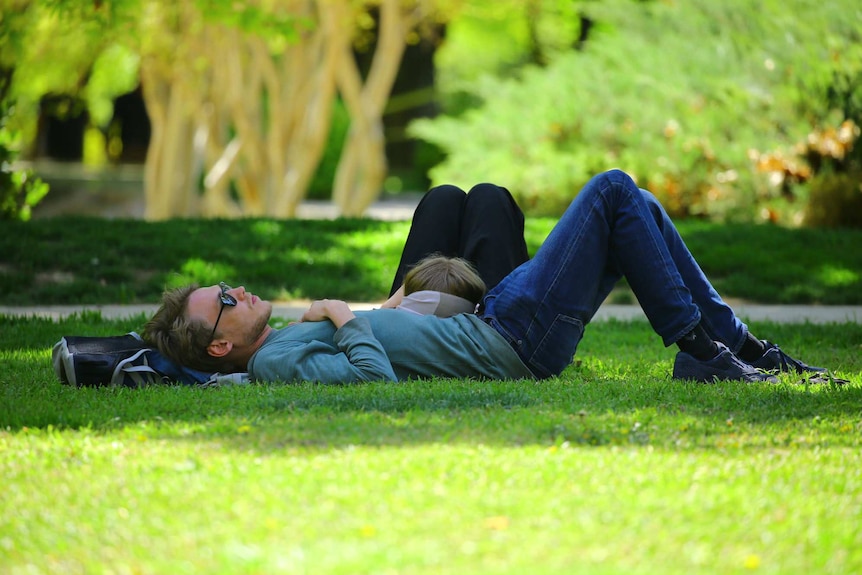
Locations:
(336, 311)
(395, 300)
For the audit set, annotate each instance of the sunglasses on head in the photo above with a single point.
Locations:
(226, 300)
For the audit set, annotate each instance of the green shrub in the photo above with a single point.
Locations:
(835, 200)
(835, 190)
(679, 95)
(824, 172)
(20, 190)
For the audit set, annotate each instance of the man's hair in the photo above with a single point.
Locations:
(455, 276)
(183, 340)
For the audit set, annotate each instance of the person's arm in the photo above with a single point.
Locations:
(357, 355)
(367, 358)
(336, 311)
(395, 299)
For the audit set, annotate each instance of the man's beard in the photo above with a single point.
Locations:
(257, 328)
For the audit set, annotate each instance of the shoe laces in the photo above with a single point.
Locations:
(781, 361)
(785, 362)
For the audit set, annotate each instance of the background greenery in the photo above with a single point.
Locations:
(712, 106)
(738, 110)
(76, 260)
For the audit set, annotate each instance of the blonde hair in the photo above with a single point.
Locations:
(455, 276)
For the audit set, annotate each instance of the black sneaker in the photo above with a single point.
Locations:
(773, 359)
(724, 366)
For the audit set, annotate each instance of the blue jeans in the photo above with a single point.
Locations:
(611, 229)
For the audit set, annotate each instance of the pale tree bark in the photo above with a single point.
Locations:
(233, 103)
(302, 90)
(253, 125)
(362, 167)
(280, 107)
(171, 91)
(168, 173)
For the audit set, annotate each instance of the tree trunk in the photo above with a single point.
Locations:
(362, 168)
(168, 174)
(253, 125)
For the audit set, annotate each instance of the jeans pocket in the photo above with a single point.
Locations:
(556, 347)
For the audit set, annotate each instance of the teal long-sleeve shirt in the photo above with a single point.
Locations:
(386, 345)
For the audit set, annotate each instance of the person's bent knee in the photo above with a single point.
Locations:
(617, 176)
(445, 192)
(445, 200)
(487, 188)
(614, 185)
(487, 194)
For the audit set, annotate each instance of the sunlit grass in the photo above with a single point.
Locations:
(610, 468)
(430, 508)
(832, 276)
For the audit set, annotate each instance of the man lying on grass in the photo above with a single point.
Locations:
(528, 324)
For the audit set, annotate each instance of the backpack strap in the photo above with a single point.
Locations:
(226, 379)
(64, 367)
(135, 371)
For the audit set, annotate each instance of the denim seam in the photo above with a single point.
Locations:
(532, 361)
(571, 245)
(640, 206)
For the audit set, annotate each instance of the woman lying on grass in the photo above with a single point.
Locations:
(439, 285)
(529, 323)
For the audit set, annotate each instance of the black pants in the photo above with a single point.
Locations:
(485, 227)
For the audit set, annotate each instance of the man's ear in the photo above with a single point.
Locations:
(219, 347)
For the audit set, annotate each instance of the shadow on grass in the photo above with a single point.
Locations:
(815, 265)
(107, 261)
(578, 408)
(620, 394)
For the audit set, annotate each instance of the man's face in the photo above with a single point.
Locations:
(242, 323)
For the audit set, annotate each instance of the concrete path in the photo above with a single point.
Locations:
(747, 312)
(111, 204)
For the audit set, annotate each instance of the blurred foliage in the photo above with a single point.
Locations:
(321, 185)
(835, 200)
(92, 50)
(51, 46)
(498, 39)
(827, 168)
(682, 95)
(20, 190)
(114, 72)
(712, 106)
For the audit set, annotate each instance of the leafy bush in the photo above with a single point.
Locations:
(826, 167)
(835, 197)
(20, 190)
(835, 200)
(678, 95)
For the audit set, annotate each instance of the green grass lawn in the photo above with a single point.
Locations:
(94, 261)
(610, 468)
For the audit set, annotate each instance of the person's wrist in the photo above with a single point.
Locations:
(338, 311)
